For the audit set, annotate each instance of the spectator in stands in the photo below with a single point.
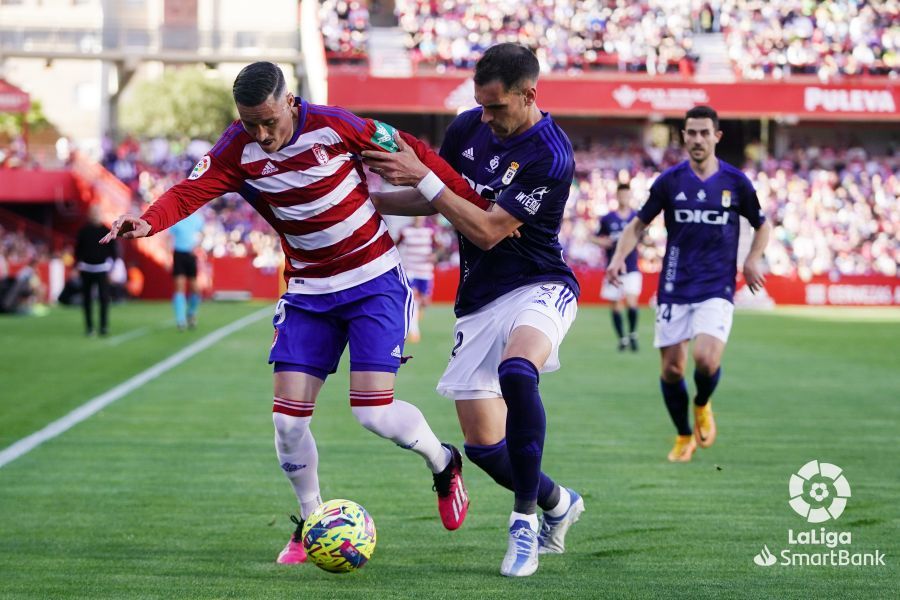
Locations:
(94, 262)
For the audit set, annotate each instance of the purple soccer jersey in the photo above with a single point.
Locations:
(529, 176)
(312, 330)
(612, 225)
(703, 226)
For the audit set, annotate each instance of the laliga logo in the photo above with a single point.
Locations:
(825, 481)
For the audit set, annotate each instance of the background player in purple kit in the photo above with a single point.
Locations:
(702, 199)
(611, 227)
(517, 297)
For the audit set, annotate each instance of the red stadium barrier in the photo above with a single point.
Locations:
(871, 290)
(629, 97)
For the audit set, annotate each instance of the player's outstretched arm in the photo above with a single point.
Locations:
(753, 273)
(627, 242)
(404, 203)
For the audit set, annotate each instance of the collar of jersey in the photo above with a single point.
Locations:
(517, 139)
(301, 120)
(687, 165)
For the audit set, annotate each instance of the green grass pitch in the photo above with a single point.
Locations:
(174, 491)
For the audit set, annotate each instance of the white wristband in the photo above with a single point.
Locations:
(431, 186)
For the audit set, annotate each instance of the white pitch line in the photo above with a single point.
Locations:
(93, 406)
(128, 335)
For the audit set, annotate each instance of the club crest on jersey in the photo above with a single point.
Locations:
(200, 168)
(495, 162)
(384, 136)
(510, 173)
(321, 154)
(726, 198)
(532, 202)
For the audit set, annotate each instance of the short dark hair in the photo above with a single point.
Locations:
(703, 112)
(508, 63)
(256, 82)
(623, 186)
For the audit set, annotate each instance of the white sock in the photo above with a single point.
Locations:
(299, 459)
(531, 519)
(403, 424)
(565, 500)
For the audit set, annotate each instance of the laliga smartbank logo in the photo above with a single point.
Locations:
(818, 492)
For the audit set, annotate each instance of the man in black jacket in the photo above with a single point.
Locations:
(94, 261)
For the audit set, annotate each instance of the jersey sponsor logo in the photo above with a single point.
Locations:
(200, 168)
(495, 162)
(696, 215)
(726, 198)
(510, 173)
(681, 197)
(384, 136)
(469, 153)
(532, 202)
(269, 168)
(321, 154)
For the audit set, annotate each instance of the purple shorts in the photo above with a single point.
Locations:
(423, 286)
(312, 330)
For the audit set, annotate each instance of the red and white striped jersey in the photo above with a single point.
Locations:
(312, 192)
(416, 245)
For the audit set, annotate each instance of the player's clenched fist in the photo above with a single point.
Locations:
(127, 227)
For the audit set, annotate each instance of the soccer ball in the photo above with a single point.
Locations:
(339, 536)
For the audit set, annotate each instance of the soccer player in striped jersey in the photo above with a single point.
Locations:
(517, 297)
(298, 165)
(416, 246)
(702, 200)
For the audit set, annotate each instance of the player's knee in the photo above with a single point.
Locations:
(289, 430)
(370, 417)
(672, 372)
(706, 364)
(516, 375)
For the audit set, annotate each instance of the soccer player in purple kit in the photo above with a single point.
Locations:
(702, 199)
(611, 226)
(517, 297)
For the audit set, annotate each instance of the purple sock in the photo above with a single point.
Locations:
(494, 460)
(676, 397)
(617, 323)
(706, 385)
(525, 428)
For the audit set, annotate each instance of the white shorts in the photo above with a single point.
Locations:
(631, 286)
(676, 323)
(480, 338)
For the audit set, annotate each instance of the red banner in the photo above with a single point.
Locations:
(628, 96)
(874, 290)
(12, 99)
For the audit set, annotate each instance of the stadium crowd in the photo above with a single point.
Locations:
(828, 39)
(646, 37)
(764, 38)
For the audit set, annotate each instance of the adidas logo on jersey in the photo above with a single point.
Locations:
(269, 168)
(681, 197)
(470, 153)
(396, 352)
